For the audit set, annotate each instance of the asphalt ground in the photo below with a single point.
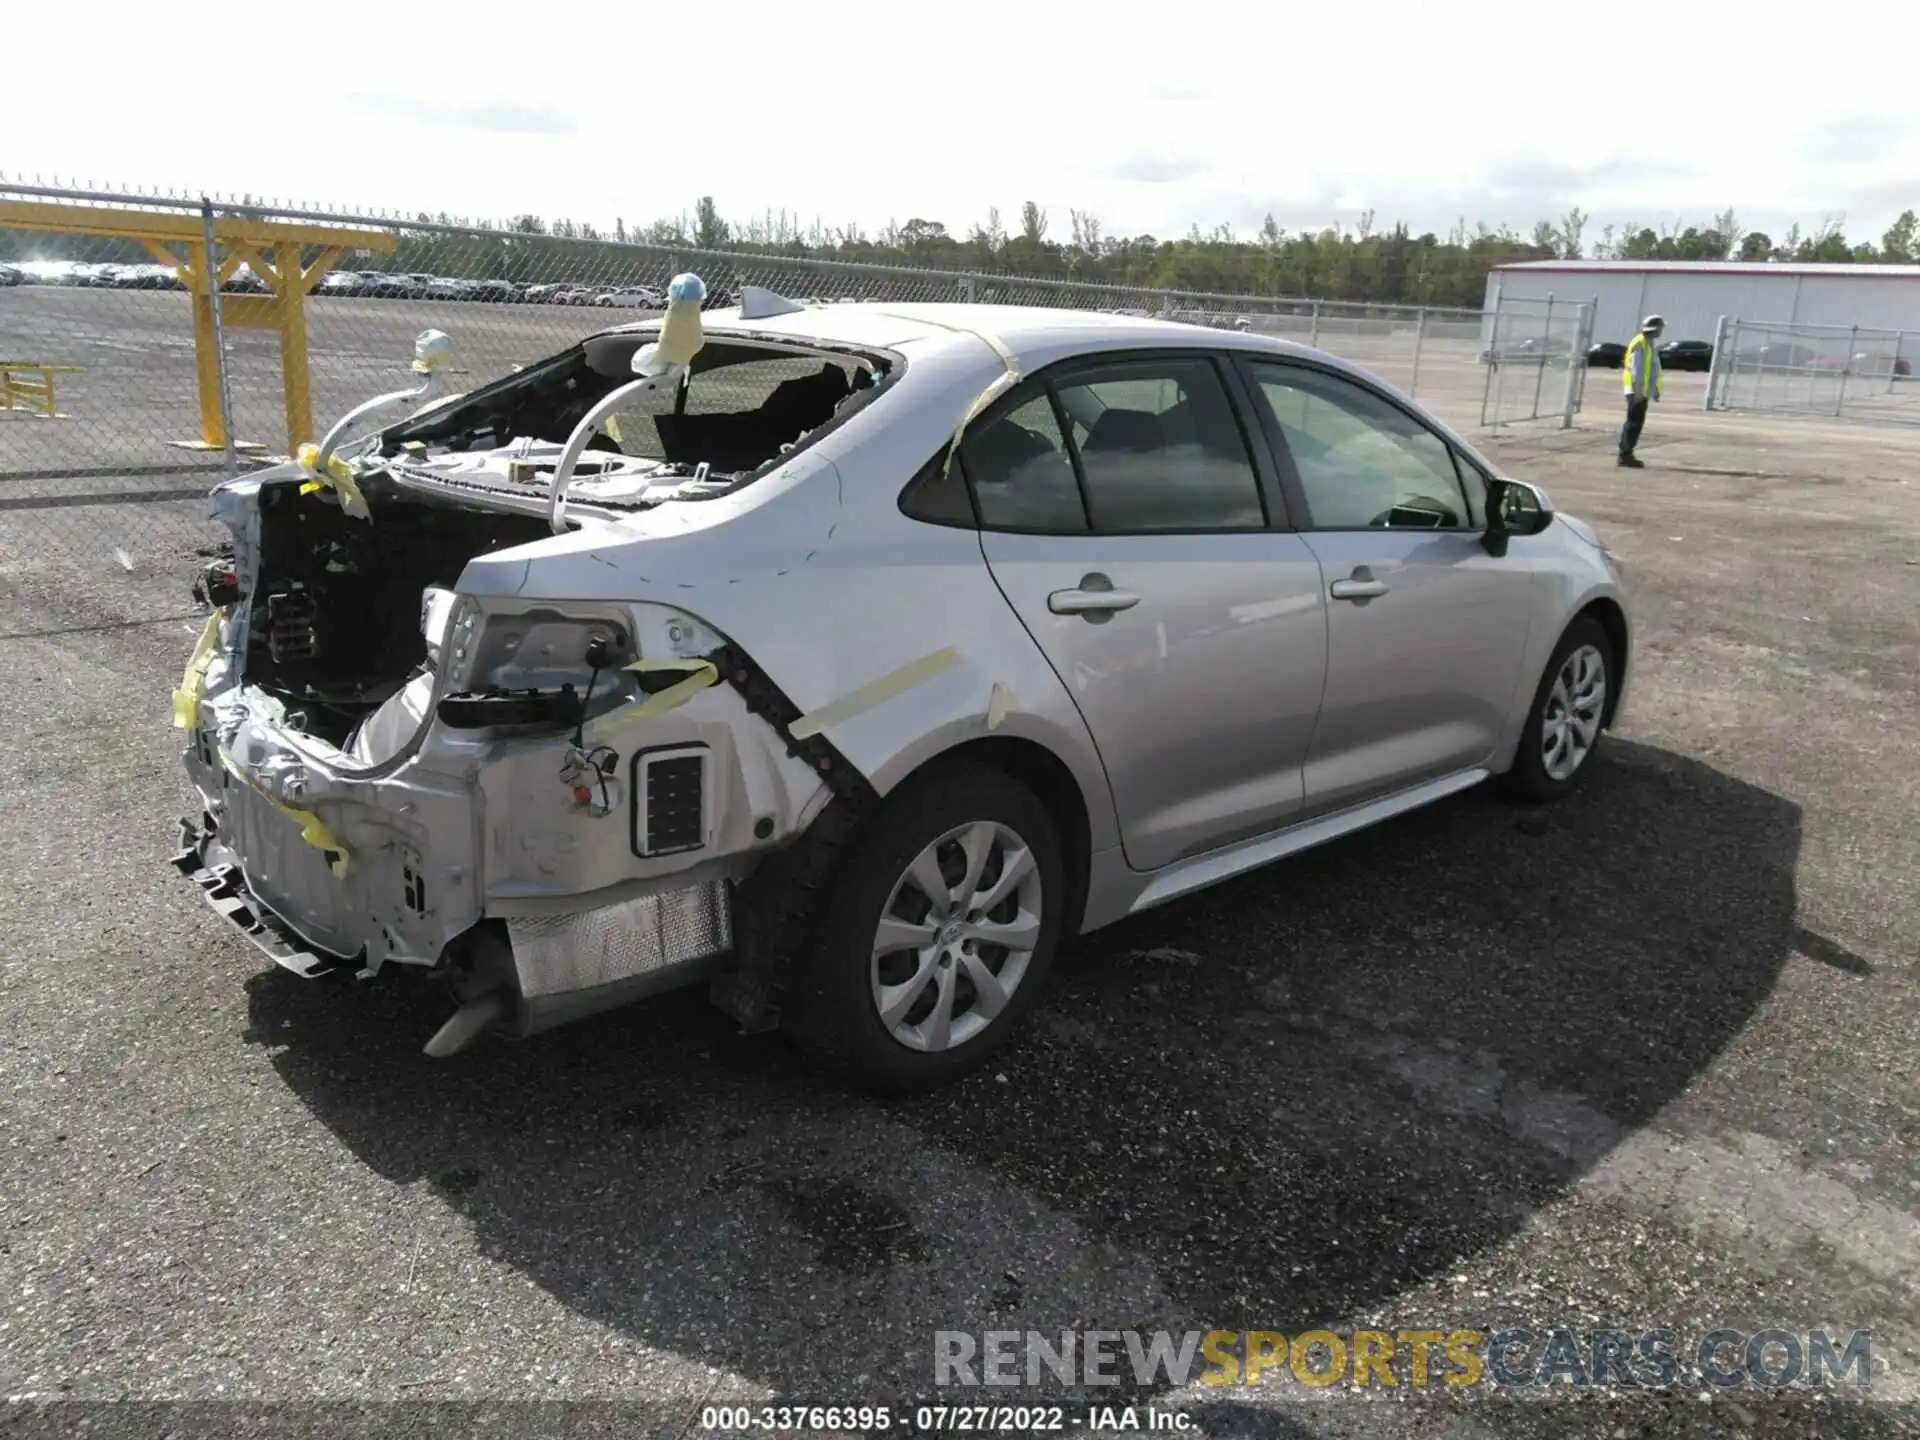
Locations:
(1644, 1059)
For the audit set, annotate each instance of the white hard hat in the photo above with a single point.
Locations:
(1653, 322)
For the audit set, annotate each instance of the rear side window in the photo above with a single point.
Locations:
(1160, 448)
(1023, 476)
(1133, 447)
(938, 494)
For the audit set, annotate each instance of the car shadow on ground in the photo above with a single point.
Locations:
(1278, 1104)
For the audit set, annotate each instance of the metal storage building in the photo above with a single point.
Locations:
(1694, 294)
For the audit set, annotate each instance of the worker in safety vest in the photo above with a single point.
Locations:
(1640, 378)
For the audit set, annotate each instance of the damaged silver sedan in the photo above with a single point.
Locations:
(848, 660)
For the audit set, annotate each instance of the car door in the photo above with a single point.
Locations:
(1426, 631)
(1131, 525)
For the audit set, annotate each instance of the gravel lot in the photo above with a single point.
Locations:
(1644, 1059)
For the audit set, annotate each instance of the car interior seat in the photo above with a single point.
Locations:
(1021, 479)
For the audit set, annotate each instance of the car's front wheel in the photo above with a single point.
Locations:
(935, 934)
(1563, 729)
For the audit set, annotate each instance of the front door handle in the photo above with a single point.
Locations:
(1094, 596)
(1359, 586)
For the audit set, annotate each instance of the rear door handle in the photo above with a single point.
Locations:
(1359, 586)
(1094, 595)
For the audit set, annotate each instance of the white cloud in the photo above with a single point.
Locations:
(1150, 119)
(498, 115)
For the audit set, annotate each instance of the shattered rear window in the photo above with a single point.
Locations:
(747, 405)
(802, 392)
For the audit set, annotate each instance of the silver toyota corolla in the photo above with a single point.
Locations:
(848, 660)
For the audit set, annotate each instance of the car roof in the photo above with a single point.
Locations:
(1024, 330)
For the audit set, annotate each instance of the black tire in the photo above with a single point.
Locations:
(833, 1014)
(1529, 778)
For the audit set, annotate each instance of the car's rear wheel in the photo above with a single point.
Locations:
(935, 934)
(1565, 725)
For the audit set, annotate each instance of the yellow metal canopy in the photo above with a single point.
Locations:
(274, 250)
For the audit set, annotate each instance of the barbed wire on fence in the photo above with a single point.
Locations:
(124, 394)
(1359, 265)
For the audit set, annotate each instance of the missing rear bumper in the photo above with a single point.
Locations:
(225, 889)
(517, 977)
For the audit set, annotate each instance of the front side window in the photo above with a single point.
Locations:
(1363, 463)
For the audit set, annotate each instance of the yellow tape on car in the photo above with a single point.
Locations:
(1005, 381)
(337, 477)
(915, 672)
(700, 674)
(186, 699)
(313, 829)
(1000, 704)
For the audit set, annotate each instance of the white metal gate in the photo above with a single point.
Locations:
(1535, 359)
(1784, 368)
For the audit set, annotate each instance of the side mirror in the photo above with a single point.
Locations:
(1514, 508)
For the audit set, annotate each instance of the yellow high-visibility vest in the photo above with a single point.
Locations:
(1640, 371)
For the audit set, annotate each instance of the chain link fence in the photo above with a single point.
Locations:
(1534, 360)
(1853, 372)
(149, 346)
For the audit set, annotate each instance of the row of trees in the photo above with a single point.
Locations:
(1358, 262)
(1361, 262)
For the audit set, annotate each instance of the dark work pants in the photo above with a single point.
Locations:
(1636, 422)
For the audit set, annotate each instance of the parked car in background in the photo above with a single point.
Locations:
(51, 272)
(1880, 363)
(244, 282)
(11, 276)
(1777, 356)
(147, 277)
(1686, 355)
(340, 283)
(1866, 363)
(1534, 350)
(618, 720)
(1608, 353)
(632, 297)
(386, 286)
(442, 287)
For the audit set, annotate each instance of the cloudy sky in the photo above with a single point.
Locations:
(1151, 118)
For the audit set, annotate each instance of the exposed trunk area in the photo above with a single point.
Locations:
(336, 605)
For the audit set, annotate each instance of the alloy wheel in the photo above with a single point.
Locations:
(956, 936)
(1570, 722)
